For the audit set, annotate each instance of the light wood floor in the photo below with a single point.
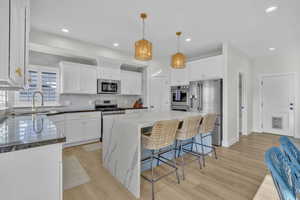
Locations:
(236, 175)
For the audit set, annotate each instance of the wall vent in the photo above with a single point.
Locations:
(277, 122)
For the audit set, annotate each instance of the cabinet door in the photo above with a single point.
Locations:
(207, 68)
(179, 76)
(92, 128)
(125, 82)
(70, 79)
(74, 131)
(88, 80)
(4, 39)
(19, 30)
(131, 83)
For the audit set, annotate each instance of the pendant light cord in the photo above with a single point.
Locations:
(178, 43)
(143, 28)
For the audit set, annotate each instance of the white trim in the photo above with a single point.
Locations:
(230, 142)
(245, 104)
(295, 80)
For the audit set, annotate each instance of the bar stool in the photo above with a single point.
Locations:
(207, 126)
(189, 129)
(161, 136)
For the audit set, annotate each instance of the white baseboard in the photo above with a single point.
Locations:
(230, 142)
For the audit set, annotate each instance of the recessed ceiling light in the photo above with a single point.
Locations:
(65, 30)
(116, 44)
(272, 49)
(188, 39)
(271, 9)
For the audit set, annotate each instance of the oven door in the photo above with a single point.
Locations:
(179, 97)
(108, 86)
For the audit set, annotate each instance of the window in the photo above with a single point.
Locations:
(3, 99)
(44, 79)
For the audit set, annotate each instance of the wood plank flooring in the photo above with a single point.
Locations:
(236, 175)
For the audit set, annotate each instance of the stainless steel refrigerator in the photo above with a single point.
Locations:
(206, 97)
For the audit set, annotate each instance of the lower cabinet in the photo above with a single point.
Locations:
(34, 173)
(79, 127)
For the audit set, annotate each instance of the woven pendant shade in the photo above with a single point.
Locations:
(143, 48)
(178, 60)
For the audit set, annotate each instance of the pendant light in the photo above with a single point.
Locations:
(178, 59)
(143, 48)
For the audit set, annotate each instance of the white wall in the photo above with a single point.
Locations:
(235, 62)
(281, 62)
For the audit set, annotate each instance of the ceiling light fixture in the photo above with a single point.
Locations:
(188, 39)
(116, 44)
(65, 30)
(272, 49)
(143, 47)
(178, 60)
(271, 9)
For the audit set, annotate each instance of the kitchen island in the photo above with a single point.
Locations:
(122, 149)
(30, 158)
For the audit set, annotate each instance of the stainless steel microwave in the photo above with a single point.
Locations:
(105, 86)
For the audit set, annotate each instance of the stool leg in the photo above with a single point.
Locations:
(177, 175)
(214, 148)
(182, 161)
(199, 157)
(152, 174)
(157, 164)
(202, 149)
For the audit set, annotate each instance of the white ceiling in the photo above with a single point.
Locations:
(244, 23)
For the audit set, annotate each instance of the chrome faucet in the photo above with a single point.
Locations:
(34, 108)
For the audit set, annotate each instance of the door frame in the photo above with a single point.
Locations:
(295, 81)
(245, 113)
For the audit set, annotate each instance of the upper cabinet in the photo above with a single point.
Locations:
(179, 76)
(206, 68)
(14, 34)
(78, 78)
(131, 83)
(109, 70)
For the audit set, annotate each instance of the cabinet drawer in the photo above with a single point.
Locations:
(82, 115)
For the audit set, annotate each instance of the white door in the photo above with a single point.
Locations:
(278, 101)
(159, 94)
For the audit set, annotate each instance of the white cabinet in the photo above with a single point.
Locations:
(78, 78)
(14, 32)
(131, 83)
(207, 68)
(179, 76)
(109, 73)
(109, 70)
(34, 173)
(83, 126)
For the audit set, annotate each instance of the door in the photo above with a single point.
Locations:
(159, 94)
(241, 104)
(277, 104)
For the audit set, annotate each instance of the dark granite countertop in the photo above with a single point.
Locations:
(62, 111)
(131, 108)
(23, 132)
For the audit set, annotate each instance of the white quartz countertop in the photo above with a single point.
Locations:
(144, 119)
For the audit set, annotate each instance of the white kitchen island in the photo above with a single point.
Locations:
(122, 144)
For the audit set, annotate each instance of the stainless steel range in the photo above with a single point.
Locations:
(180, 97)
